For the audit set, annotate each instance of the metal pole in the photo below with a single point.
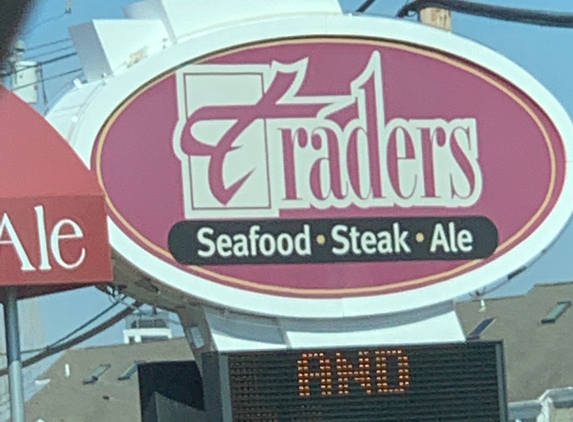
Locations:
(14, 354)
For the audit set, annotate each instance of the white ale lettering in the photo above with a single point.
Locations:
(9, 237)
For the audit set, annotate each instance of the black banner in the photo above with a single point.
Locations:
(332, 240)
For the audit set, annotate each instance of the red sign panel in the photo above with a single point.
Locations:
(54, 240)
(53, 229)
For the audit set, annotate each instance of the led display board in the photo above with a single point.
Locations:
(446, 383)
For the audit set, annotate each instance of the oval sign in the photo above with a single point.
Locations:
(368, 171)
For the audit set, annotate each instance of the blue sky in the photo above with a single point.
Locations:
(544, 52)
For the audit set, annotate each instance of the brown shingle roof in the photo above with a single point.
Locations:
(67, 399)
(538, 356)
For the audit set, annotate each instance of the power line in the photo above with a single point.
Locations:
(534, 17)
(79, 339)
(40, 73)
(74, 331)
(85, 325)
(117, 300)
(57, 50)
(55, 59)
(45, 21)
(59, 75)
(48, 44)
(41, 63)
(365, 6)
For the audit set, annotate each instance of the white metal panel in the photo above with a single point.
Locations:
(90, 51)
(236, 331)
(184, 17)
(241, 332)
(68, 110)
(147, 9)
(25, 81)
(416, 327)
(106, 46)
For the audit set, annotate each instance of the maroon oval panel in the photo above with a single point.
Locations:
(456, 140)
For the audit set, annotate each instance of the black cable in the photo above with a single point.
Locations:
(84, 325)
(45, 21)
(79, 339)
(59, 75)
(365, 6)
(44, 93)
(39, 64)
(554, 19)
(48, 44)
(71, 333)
(57, 50)
(56, 59)
(113, 297)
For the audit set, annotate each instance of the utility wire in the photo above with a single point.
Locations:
(79, 339)
(45, 21)
(117, 300)
(59, 75)
(42, 63)
(49, 44)
(55, 59)
(84, 325)
(535, 17)
(365, 6)
(47, 53)
(44, 93)
(75, 331)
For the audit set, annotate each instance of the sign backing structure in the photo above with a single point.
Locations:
(310, 179)
(256, 125)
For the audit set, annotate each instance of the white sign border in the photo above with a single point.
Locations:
(118, 89)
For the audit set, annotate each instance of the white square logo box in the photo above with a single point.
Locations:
(201, 86)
